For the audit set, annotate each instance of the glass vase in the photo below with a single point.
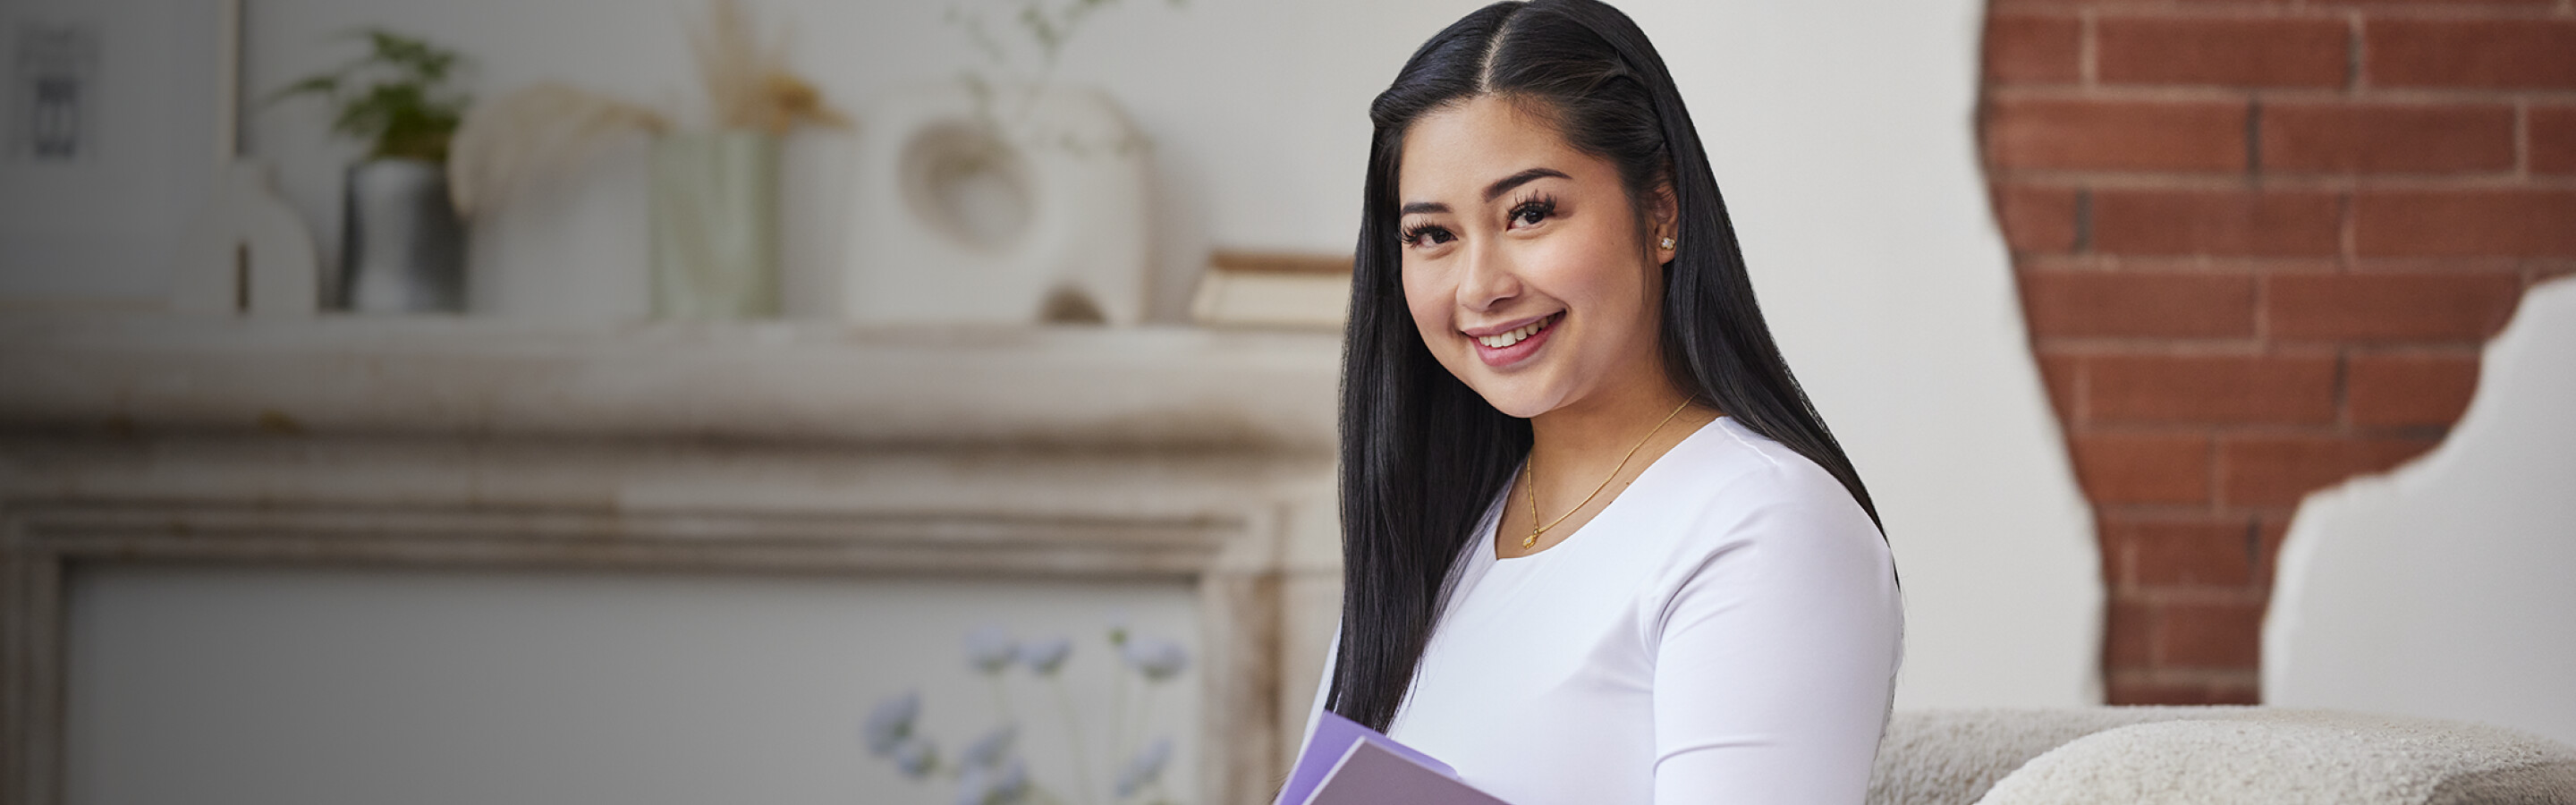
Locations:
(715, 225)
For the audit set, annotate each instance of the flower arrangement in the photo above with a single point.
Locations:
(989, 770)
(748, 82)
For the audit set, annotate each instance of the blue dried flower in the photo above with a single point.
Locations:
(1156, 658)
(1007, 784)
(890, 722)
(916, 757)
(1045, 656)
(991, 749)
(989, 649)
(1144, 768)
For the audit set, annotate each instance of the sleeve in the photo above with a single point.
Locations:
(1775, 659)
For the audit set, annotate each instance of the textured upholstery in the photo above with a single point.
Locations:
(2211, 755)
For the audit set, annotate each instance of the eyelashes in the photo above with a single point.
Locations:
(1539, 204)
(1529, 211)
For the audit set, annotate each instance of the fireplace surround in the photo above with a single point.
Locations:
(769, 448)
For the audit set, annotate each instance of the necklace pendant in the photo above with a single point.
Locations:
(1530, 540)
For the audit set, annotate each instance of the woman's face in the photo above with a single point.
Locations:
(1522, 265)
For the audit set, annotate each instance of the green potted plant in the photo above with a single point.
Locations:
(402, 247)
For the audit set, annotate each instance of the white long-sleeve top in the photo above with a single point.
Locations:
(1726, 631)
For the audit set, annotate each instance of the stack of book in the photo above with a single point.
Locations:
(1269, 289)
(1348, 764)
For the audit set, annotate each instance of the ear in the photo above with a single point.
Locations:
(1665, 209)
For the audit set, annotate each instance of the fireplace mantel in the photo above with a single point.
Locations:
(1070, 453)
(1142, 387)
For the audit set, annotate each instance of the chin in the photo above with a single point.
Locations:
(1514, 396)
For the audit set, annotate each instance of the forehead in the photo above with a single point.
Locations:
(1451, 154)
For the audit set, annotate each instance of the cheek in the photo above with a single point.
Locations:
(1590, 273)
(1428, 302)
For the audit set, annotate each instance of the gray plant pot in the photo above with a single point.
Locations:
(403, 249)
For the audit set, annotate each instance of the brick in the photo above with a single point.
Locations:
(2128, 690)
(2116, 135)
(2138, 305)
(2387, 138)
(2129, 629)
(2278, 470)
(2225, 635)
(2231, 51)
(2212, 389)
(2553, 139)
(2130, 468)
(2418, 223)
(2444, 307)
(2159, 222)
(2060, 373)
(2429, 4)
(2409, 390)
(2036, 219)
(2489, 53)
(2270, 530)
(2196, 553)
(2029, 49)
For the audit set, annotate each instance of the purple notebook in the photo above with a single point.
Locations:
(1348, 764)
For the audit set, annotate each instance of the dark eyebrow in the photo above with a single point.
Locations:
(1515, 180)
(1492, 191)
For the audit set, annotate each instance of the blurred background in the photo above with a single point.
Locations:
(813, 400)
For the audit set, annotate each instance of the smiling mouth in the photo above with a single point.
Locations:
(1508, 338)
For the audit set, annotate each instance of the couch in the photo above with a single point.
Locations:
(2211, 755)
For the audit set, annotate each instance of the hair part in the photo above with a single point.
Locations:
(1422, 454)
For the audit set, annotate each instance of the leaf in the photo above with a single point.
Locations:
(323, 85)
(403, 109)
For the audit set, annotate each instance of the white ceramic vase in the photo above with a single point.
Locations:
(1011, 207)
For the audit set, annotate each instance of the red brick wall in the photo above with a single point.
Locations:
(2259, 245)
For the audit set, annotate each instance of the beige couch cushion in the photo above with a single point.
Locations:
(1952, 756)
(2298, 756)
(2209, 754)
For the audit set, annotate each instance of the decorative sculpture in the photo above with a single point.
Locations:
(247, 254)
(1008, 206)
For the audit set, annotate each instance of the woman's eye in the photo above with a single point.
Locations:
(1532, 213)
(1426, 236)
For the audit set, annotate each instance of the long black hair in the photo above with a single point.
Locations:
(1422, 454)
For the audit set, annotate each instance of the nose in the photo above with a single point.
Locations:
(1489, 279)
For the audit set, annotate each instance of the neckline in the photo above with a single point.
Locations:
(1491, 533)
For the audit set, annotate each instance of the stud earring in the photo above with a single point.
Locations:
(1668, 244)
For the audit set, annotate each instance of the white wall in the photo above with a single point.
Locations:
(246, 686)
(2441, 588)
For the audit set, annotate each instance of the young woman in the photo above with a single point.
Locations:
(1598, 548)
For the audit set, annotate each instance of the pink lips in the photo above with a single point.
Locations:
(1499, 357)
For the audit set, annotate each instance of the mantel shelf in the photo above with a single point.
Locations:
(1155, 387)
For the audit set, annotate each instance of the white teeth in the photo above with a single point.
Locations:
(1514, 337)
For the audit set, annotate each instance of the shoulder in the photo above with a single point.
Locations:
(1730, 482)
(1741, 503)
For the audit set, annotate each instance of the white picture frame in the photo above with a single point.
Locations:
(119, 116)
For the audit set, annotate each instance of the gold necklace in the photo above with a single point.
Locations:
(1529, 472)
